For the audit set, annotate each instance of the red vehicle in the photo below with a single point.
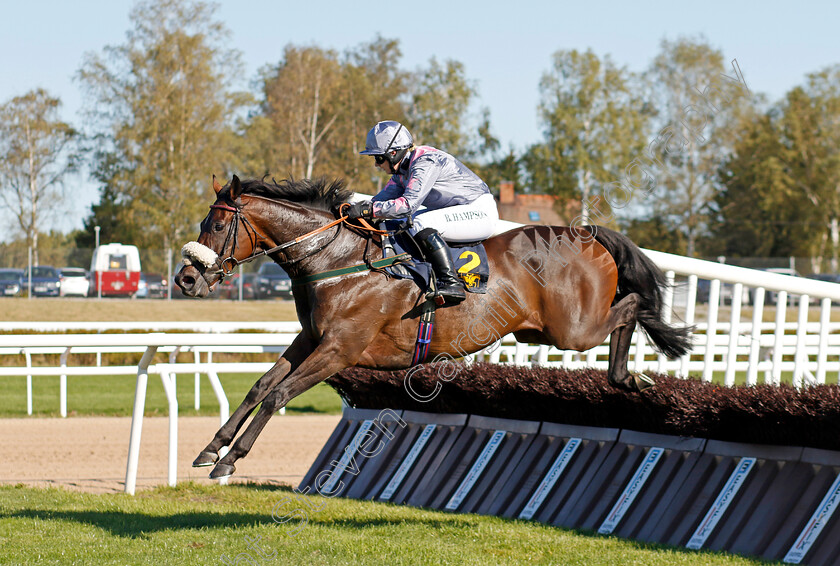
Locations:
(115, 269)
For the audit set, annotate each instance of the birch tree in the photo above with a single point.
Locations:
(698, 101)
(438, 112)
(593, 124)
(303, 95)
(37, 152)
(781, 185)
(811, 129)
(161, 106)
(374, 88)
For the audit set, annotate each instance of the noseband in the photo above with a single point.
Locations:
(233, 232)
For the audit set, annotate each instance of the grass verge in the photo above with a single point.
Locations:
(193, 524)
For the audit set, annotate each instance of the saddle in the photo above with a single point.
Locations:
(469, 258)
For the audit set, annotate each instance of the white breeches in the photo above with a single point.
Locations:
(462, 222)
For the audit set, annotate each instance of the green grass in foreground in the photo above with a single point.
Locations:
(194, 524)
(114, 396)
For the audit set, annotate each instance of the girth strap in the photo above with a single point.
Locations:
(424, 334)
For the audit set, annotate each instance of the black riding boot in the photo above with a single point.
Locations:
(437, 252)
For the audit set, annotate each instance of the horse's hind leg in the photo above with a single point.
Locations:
(296, 352)
(624, 313)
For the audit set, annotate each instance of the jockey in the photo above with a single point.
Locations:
(458, 206)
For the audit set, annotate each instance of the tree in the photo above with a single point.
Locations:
(303, 101)
(781, 194)
(375, 86)
(111, 213)
(317, 107)
(697, 107)
(757, 211)
(506, 167)
(37, 152)
(160, 109)
(656, 233)
(438, 111)
(810, 126)
(593, 126)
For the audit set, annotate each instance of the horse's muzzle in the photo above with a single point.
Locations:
(192, 282)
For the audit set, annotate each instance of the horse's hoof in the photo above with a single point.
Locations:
(205, 459)
(222, 471)
(643, 382)
(625, 385)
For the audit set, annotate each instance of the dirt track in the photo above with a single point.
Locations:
(89, 453)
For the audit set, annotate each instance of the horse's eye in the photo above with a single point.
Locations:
(217, 227)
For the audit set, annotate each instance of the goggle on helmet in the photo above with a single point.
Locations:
(388, 136)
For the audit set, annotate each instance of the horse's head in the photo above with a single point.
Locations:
(255, 218)
(226, 238)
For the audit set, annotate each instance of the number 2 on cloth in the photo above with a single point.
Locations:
(474, 262)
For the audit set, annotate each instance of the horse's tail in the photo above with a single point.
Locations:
(638, 274)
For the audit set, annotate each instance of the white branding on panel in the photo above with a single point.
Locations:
(815, 525)
(349, 453)
(476, 470)
(554, 473)
(398, 478)
(631, 491)
(724, 498)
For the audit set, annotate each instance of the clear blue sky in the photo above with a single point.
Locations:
(505, 46)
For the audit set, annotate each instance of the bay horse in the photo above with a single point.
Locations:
(566, 287)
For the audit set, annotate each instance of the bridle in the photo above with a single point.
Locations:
(225, 267)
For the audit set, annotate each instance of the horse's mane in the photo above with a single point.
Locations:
(316, 193)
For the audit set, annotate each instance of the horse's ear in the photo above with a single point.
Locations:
(216, 186)
(235, 188)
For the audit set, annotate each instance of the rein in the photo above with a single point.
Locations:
(226, 266)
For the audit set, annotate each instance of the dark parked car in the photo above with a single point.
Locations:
(11, 282)
(704, 287)
(46, 281)
(229, 289)
(155, 286)
(272, 281)
(830, 277)
(704, 290)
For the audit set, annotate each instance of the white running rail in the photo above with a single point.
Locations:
(150, 343)
(807, 346)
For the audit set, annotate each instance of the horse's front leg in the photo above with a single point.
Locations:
(330, 357)
(297, 351)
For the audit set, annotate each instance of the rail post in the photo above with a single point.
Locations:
(137, 419)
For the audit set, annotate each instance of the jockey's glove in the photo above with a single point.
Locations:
(359, 210)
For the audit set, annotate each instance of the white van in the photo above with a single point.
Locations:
(116, 267)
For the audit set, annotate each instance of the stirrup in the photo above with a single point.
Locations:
(440, 298)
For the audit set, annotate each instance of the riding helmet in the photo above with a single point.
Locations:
(386, 136)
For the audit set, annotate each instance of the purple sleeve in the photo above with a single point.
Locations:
(390, 202)
(389, 192)
(422, 174)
